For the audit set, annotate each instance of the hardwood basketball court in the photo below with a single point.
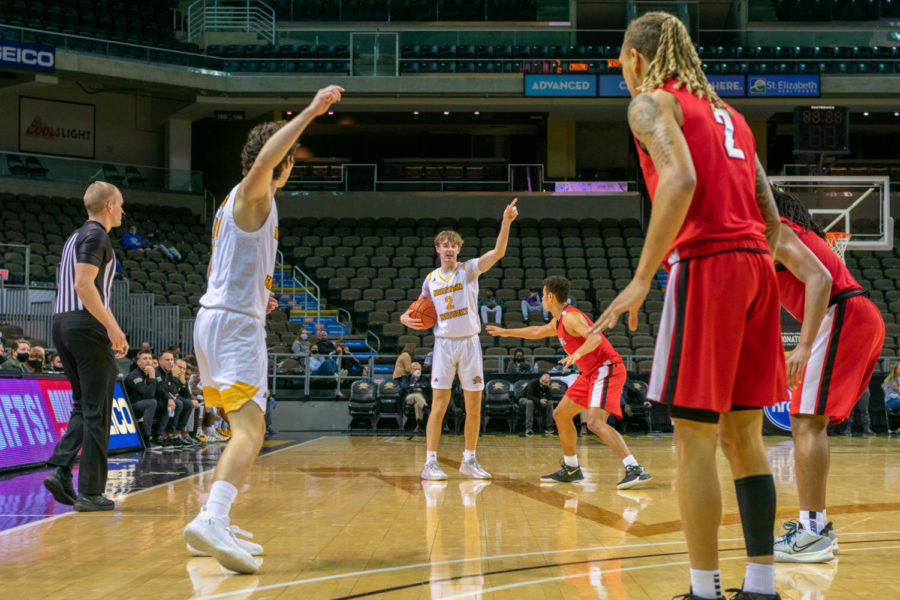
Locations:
(348, 517)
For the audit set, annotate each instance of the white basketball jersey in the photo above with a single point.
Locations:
(242, 263)
(455, 297)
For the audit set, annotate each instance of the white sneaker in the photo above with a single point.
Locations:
(215, 538)
(252, 548)
(800, 546)
(473, 469)
(433, 472)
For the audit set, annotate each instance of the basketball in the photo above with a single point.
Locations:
(423, 309)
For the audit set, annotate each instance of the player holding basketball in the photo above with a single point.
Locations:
(840, 341)
(598, 388)
(232, 316)
(453, 287)
(719, 357)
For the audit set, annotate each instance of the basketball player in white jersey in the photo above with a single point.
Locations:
(232, 316)
(454, 290)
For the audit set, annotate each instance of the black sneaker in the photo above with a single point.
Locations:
(167, 443)
(633, 476)
(92, 503)
(59, 483)
(177, 443)
(742, 595)
(566, 474)
(690, 596)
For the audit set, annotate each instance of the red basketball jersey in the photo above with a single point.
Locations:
(792, 291)
(723, 209)
(603, 354)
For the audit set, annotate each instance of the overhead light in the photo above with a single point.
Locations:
(896, 114)
(415, 112)
(289, 112)
(866, 114)
(477, 112)
(330, 112)
(446, 112)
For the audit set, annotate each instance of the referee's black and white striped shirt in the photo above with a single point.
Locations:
(89, 244)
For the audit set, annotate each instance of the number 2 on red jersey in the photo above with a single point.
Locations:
(723, 118)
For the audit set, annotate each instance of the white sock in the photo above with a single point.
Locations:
(821, 520)
(706, 584)
(431, 456)
(468, 454)
(571, 461)
(759, 578)
(629, 461)
(221, 497)
(810, 521)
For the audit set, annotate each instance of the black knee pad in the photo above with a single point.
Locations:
(756, 501)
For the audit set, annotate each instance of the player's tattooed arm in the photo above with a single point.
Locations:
(645, 117)
(766, 202)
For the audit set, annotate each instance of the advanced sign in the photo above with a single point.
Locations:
(561, 85)
(30, 57)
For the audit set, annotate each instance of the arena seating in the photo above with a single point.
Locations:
(374, 268)
(405, 10)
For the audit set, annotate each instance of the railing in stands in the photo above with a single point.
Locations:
(250, 16)
(308, 283)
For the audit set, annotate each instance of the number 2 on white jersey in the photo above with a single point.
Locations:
(723, 118)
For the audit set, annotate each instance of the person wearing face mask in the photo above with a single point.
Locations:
(414, 388)
(18, 357)
(35, 361)
(54, 365)
(300, 347)
(518, 364)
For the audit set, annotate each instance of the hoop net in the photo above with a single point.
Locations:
(838, 241)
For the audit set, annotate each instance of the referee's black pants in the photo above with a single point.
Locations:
(89, 362)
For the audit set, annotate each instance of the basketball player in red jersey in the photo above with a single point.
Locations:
(840, 340)
(598, 389)
(719, 357)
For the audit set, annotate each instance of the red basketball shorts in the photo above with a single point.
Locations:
(844, 354)
(719, 340)
(600, 389)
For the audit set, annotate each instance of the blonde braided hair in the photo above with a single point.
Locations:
(666, 43)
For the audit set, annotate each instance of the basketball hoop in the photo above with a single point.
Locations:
(838, 241)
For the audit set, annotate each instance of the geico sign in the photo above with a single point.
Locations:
(27, 56)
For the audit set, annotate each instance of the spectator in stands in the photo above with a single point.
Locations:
(403, 366)
(429, 359)
(300, 347)
(861, 410)
(325, 346)
(156, 242)
(183, 373)
(2, 352)
(18, 356)
(175, 349)
(891, 388)
(572, 301)
(145, 347)
(55, 365)
(537, 395)
(349, 364)
(140, 387)
(532, 304)
(133, 240)
(35, 362)
(270, 408)
(172, 390)
(321, 365)
(491, 305)
(414, 388)
(518, 364)
(120, 271)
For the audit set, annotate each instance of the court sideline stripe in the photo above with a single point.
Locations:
(485, 558)
(185, 478)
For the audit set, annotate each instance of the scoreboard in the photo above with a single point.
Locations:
(821, 130)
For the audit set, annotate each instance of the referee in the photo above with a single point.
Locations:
(87, 338)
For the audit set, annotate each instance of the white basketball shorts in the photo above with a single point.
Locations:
(232, 358)
(457, 355)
